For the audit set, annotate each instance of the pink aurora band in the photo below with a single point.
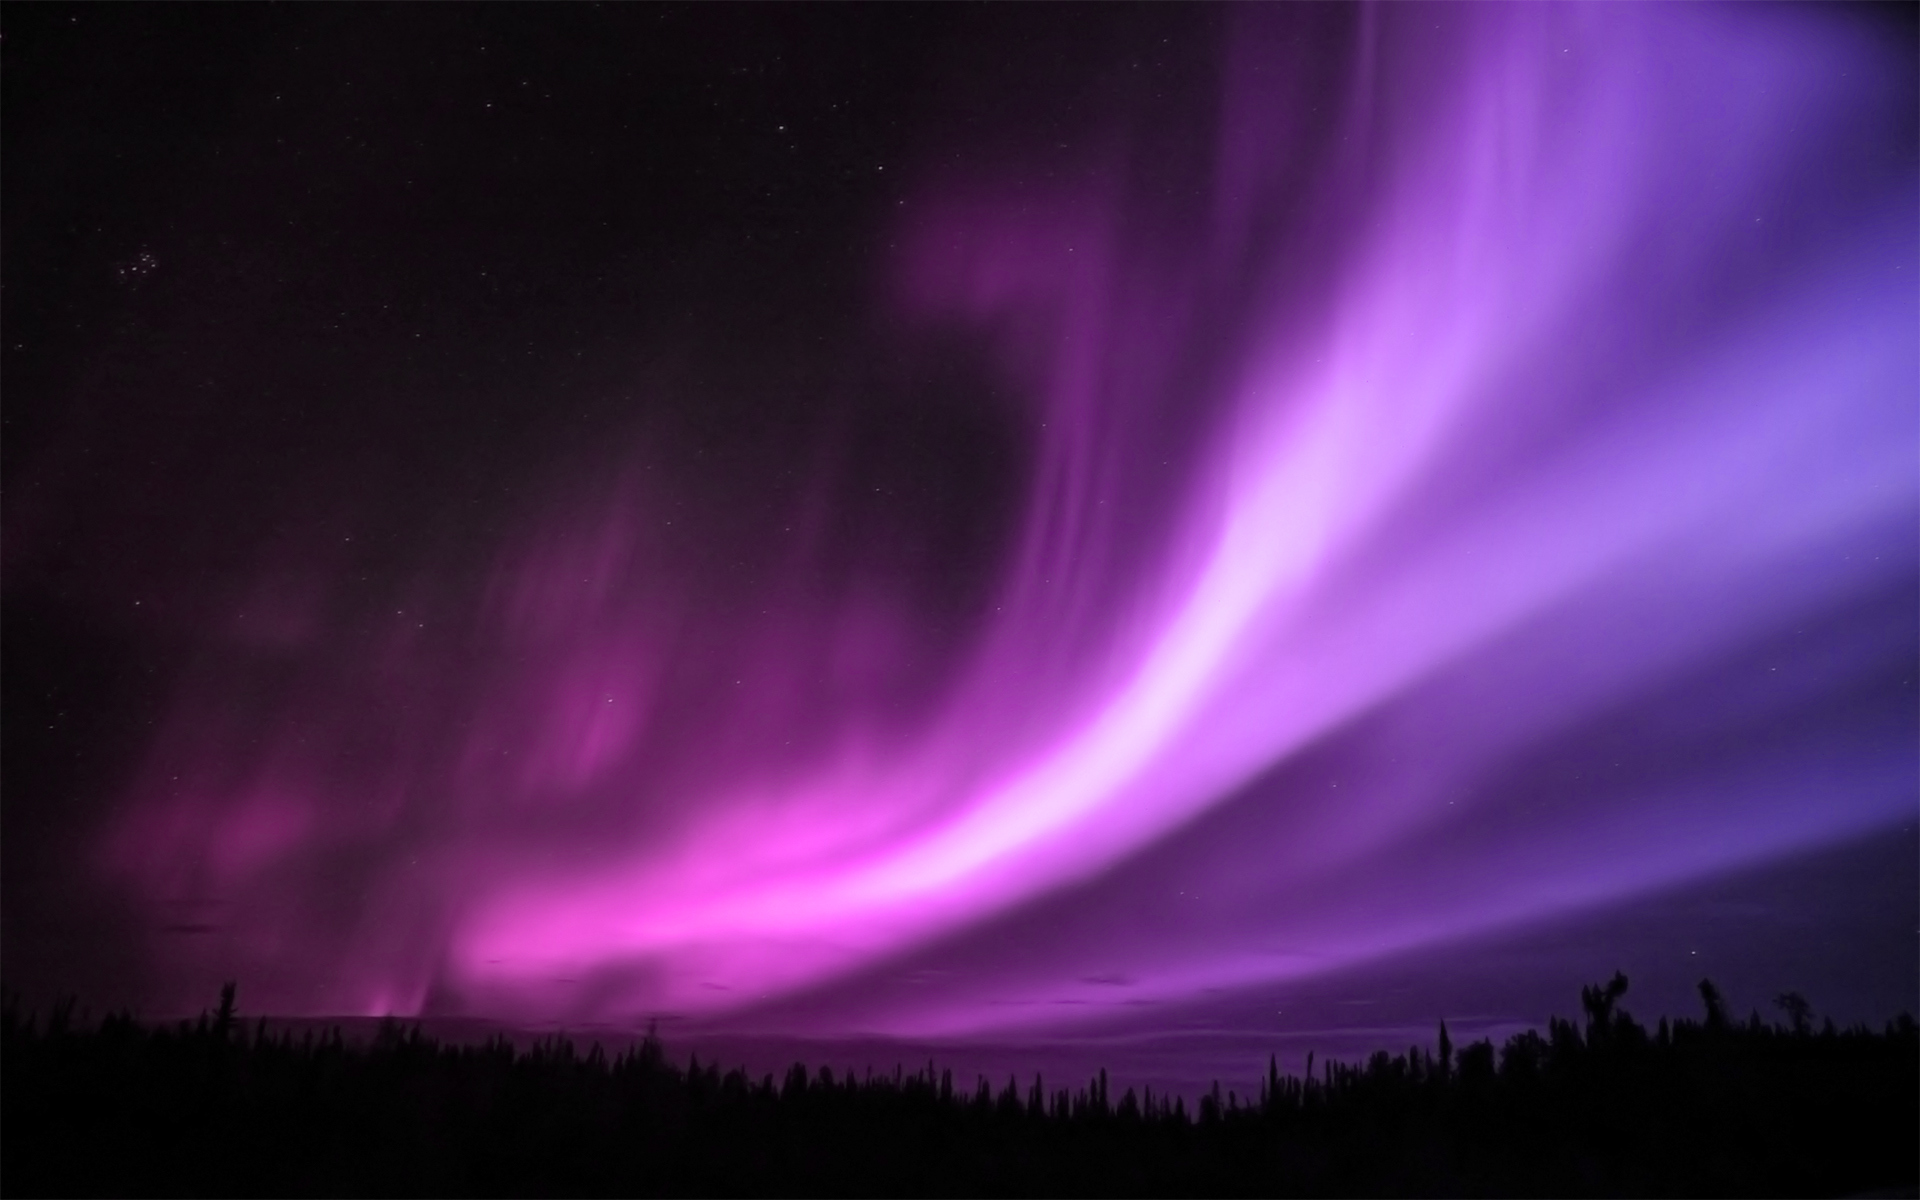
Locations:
(1568, 351)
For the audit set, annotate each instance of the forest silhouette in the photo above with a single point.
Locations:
(1718, 1106)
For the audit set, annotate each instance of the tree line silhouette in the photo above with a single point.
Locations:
(1606, 1107)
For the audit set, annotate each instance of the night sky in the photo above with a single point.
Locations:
(960, 522)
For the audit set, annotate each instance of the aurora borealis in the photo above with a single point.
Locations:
(722, 521)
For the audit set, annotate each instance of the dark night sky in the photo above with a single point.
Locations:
(959, 520)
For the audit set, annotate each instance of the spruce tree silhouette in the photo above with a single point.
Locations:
(1799, 1013)
(1716, 1006)
(1598, 1002)
(223, 1019)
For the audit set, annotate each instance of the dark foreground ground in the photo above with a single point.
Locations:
(1605, 1107)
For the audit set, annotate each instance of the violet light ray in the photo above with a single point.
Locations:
(1529, 390)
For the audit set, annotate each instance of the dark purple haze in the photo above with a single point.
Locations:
(962, 525)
